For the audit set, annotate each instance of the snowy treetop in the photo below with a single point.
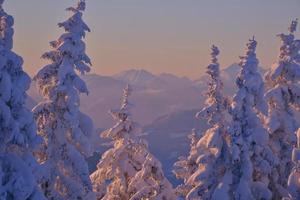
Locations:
(125, 127)
(249, 81)
(293, 26)
(75, 23)
(213, 68)
(68, 57)
(216, 103)
(287, 69)
(124, 112)
(80, 7)
(126, 93)
(214, 53)
(249, 61)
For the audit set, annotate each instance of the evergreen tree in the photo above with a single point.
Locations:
(17, 128)
(252, 159)
(294, 178)
(284, 98)
(206, 166)
(128, 170)
(64, 128)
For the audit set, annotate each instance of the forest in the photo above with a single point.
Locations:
(250, 149)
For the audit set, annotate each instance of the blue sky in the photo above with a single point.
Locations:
(157, 35)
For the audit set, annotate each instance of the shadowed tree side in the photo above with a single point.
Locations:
(17, 128)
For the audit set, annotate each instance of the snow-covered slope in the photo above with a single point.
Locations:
(175, 81)
(135, 77)
(143, 79)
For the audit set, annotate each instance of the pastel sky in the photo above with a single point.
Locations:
(157, 35)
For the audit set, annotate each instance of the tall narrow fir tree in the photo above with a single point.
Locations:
(206, 166)
(64, 128)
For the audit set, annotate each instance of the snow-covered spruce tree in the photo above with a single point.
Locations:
(205, 167)
(128, 171)
(294, 178)
(17, 128)
(284, 98)
(64, 128)
(252, 159)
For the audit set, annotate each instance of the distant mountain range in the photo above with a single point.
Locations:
(153, 95)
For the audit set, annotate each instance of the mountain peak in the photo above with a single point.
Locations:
(135, 76)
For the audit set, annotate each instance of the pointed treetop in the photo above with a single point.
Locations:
(80, 6)
(122, 114)
(213, 67)
(251, 45)
(126, 93)
(250, 52)
(214, 53)
(293, 26)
